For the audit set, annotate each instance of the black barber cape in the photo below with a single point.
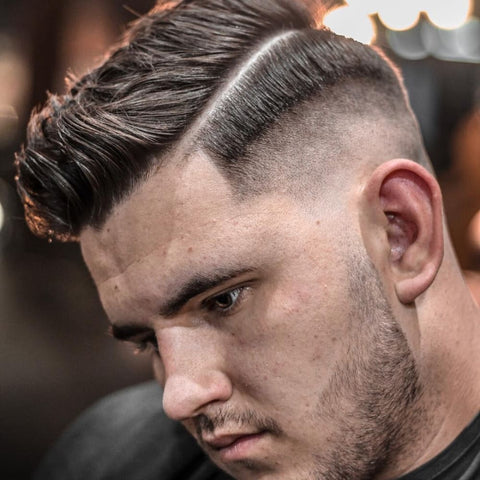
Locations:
(459, 461)
(127, 436)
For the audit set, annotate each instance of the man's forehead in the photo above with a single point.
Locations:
(172, 203)
(180, 219)
(138, 261)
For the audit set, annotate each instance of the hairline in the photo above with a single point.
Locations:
(180, 154)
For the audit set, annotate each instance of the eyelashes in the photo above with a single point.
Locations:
(226, 302)
(147, 344)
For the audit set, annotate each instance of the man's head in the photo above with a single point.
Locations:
(214, 76)
(253, 200)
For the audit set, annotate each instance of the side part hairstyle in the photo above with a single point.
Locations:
(232, 68)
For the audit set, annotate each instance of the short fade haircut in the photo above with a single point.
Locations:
(227, 69)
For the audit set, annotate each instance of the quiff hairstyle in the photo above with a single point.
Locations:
(231, 68)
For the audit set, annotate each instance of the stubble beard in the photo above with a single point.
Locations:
(374, 399)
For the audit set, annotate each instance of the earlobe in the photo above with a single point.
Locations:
(404, 201)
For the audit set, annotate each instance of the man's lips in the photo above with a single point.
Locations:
(233, 446)
(222, 441)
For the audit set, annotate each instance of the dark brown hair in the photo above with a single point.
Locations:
(86, 150)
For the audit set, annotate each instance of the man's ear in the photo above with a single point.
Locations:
(402, 225)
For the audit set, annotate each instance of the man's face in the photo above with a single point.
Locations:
(276, 347)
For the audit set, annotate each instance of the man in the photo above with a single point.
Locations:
(255, 205)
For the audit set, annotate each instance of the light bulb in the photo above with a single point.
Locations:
(397, 15)
(350, 22)
(447, 14)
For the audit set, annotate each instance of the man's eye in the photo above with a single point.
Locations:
(148, 344)
(225, 302)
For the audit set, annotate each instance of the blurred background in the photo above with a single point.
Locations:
(55, 355)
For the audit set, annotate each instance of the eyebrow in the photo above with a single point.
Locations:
(196, 285)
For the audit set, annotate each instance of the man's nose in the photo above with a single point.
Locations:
(193, 379)
(185, 395)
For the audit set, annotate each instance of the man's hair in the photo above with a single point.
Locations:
(221, 72)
